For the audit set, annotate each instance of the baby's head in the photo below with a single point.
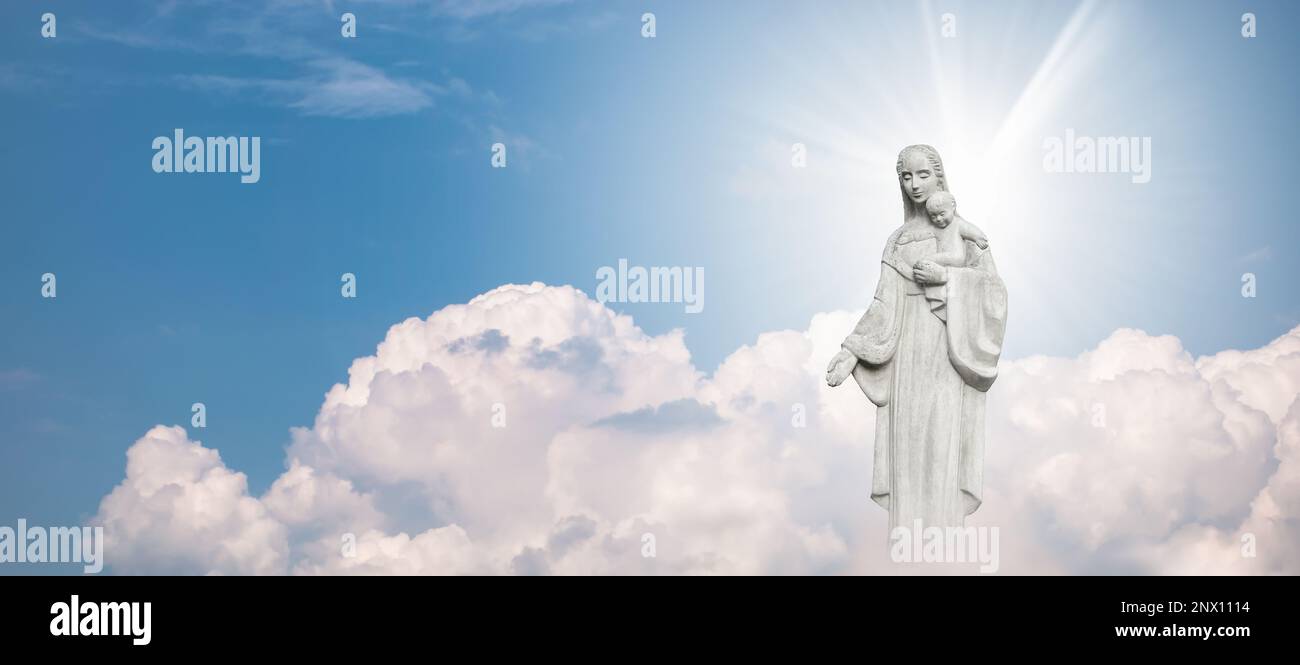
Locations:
(941, 206)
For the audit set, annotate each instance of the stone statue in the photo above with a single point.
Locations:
(926, 352)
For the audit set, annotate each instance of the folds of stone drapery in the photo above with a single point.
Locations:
(973, 305)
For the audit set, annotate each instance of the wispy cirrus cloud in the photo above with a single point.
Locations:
(1258, 254)
(470, 9)
(313, 76)
(337, 87)
(20, 377)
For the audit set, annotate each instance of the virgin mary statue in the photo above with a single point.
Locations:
(925, 353)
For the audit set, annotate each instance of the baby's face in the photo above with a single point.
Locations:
(941, 218)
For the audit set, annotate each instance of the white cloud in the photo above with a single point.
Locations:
(1271, 530)
(470, 9)
(612, 438)
(1126, 442)
(18, 378)
(180, 510)
(304, 497)
(336, 87)
(313, 77)
(443, 551)
(345, 88)
(1267, 378)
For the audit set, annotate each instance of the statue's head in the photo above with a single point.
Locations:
(941, 206)
(920, 174)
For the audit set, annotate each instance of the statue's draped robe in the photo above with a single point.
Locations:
(927, 354)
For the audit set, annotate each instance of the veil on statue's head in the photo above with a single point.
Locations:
(910, 208)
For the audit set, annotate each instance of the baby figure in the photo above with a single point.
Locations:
(952, 229)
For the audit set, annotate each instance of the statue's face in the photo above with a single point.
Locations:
(941, 218)
(917, 178)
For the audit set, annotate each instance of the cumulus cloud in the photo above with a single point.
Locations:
(534, 431)
(180, 510)
(1117, 449)
(1264, 543)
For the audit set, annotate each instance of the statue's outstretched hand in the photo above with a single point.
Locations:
(840, 368)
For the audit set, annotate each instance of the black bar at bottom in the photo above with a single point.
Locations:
(549, 617)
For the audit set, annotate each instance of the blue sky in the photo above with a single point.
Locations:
(672, 151)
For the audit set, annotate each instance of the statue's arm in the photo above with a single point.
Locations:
(875, 336)
(976, 302)
(972, 233)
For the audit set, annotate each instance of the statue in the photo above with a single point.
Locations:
(926, 351)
